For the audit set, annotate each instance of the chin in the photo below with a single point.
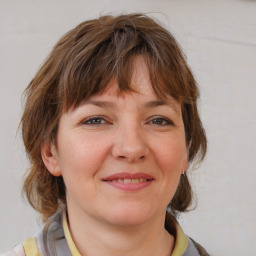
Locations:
(128, 221)
(129, 217)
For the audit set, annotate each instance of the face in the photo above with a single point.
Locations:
(121, 157)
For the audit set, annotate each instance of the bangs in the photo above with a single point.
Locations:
(96, 58)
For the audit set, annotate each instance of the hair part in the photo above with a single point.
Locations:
(81, 64)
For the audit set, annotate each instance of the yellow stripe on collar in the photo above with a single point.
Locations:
(181, 242)
(71, 244)
(30, 247)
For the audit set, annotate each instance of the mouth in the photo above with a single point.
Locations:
(129, 182)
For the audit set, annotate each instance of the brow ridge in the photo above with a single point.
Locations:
(149, 104)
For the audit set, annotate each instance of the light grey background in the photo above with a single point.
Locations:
(219, 39)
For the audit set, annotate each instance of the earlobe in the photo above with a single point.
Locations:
(50, 159)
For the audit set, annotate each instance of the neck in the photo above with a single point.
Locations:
(93, 237)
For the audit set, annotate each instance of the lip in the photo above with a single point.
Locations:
(113, 181)
(125, 175)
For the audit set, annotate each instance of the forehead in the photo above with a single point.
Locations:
(140, 80)
(134, 78)
(140, 92)
(143, 97)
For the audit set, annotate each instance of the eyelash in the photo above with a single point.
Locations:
(91, 121)
(162, 119)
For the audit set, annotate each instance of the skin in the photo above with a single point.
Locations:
(126, 134)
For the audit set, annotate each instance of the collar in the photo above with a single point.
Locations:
(69, 239)
(181, 241)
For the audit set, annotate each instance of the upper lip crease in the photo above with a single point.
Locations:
(125, 175)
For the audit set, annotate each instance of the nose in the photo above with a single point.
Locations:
(130, 145)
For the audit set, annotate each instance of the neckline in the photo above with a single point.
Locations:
(181, 240)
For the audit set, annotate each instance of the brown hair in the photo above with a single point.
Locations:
(80, 65)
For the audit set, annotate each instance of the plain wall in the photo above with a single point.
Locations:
(219, 40)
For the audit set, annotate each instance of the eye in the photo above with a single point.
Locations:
(161, 121)
(94, 121)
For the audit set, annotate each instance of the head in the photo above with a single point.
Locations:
(82, 64)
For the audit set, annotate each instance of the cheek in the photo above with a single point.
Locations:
(171, 154)
(81, 157)
(79, 161)
(171, 162)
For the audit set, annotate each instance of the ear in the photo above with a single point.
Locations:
(50, 158)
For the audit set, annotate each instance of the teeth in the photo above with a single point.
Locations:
(126, 181)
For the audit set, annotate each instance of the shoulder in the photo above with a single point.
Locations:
(48, 236)
(194, 249)
(28, 247)
(199, 248)
(18, 250)
(184, 245)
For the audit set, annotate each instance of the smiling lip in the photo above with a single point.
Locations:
(128, 181)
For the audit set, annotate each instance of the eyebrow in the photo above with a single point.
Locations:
(102, 104)
(156, 103)
(149, 104)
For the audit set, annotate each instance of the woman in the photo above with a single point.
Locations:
(110, 127)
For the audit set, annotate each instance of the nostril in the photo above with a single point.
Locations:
(131, 153)
(135, 159)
